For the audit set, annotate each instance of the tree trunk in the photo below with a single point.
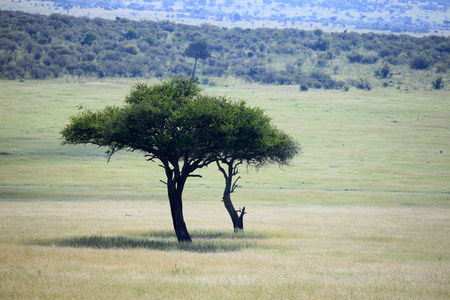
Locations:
(195, 66)
(230, 186)
(238, 220)
(176, 208)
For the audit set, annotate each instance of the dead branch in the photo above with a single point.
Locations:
(235, 185)
(195, 175)
(242, 211)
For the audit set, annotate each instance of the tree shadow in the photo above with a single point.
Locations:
(203, 241)
(206, 234)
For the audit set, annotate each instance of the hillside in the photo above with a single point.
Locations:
(399, 16)
(38, 46)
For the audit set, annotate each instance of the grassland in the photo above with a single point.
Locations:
(363, 213)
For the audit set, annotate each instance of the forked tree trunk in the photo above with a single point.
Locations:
(176, 208)
(237, 216)
(237, 219)
(195, 66)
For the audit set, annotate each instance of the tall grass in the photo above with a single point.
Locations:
(363, 213)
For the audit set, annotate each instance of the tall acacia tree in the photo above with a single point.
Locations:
(197, 50)
(254, 141)
(170, 122)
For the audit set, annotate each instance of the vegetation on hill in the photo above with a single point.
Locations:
(420, 16)
(37, 47)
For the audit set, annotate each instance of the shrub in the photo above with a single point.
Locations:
(303, 88)
(438, 83)
(321, 44)
(369, 59)
(131, 49)
(149, 39)
(131, 34)
(89, 37)
(88, 56)
(362, 84)
(354, 57)
(384, 70)
(441, 68)
(318, 79)
(420, 62)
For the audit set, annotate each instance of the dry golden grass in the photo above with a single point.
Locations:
(296, 251)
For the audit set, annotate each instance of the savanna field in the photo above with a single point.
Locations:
(362, 213)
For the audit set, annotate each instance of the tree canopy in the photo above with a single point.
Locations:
(197, 50)
(173, 123)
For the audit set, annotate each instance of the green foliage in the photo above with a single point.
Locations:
(384, 70)
(149, 39)
(183, 129)
(249, 136)
(318, 79)
(38, 46)
(131, 49)
(362, 84)
(420, 62)
(131, 34)
(355, 57)
(198, 50)
(88, 38)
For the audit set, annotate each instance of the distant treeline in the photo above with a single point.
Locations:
(37, 47)
(392, 16)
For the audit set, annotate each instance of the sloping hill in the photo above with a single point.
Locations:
(419, 17)
(39, 46)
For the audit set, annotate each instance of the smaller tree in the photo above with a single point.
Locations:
(197, 50)
(249, 138)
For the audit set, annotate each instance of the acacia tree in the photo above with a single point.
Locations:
(252, 140)
(184, 130)
(197, 50)
(170, 122)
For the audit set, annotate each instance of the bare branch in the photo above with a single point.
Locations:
(242, 211)
(164, 182)
(222, 170)
(235, 168)
(195, 175)
(235, 186)
(110, 153)
(151, 157)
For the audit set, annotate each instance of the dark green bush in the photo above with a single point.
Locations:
(303, 88)
(384, 70)
(362, 84)
(438, 83)
(420, 62)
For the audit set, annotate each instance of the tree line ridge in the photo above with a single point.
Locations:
(36, 46)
